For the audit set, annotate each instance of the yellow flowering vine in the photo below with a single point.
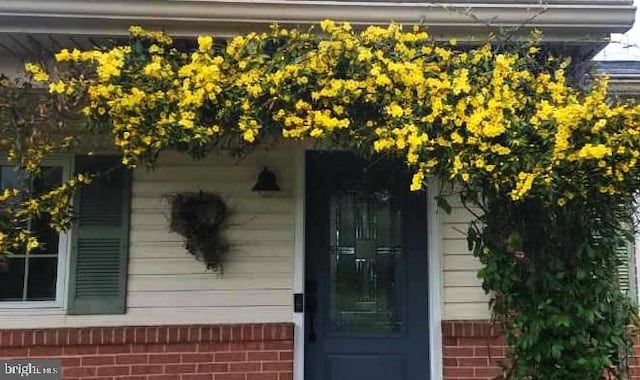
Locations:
(476, 115)
(31, 129)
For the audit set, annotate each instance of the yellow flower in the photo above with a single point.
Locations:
(594, 151)
(394, 110)
(153, 69)
(364, 54)
(135, 30)
(316, 132)
(36, 72)
(524, 184)
(57, 88)
(32, 243)
(461, 81)
(327, 25)
(249, 136)
(493, 129)
(417, 180)
(63, 55)
(205, 43)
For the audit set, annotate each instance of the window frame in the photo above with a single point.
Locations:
(64, 247)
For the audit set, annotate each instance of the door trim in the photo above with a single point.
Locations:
(434, 259)
(434, 262)
(298, 261)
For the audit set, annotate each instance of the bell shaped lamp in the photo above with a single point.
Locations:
(267, 182)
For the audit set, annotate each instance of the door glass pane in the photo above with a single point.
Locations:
(366, 263)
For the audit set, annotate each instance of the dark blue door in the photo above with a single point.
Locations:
(366, 271)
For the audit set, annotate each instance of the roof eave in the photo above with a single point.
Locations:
(560, 22)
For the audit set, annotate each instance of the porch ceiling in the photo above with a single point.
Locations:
(30, 45)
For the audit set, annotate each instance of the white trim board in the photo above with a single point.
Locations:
(298, 261)
(434, 253)
(636, 251)
(565, 20)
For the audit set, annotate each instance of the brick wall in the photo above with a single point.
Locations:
(197, 352)
(471, 350)
(634, 364)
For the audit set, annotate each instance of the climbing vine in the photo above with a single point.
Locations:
(552, 167)
(31, 128)
(552, 271)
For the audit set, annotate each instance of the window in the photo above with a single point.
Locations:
(35, 279)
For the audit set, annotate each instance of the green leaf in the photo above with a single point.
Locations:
(471, 238)
(443, 204)
(556, 350)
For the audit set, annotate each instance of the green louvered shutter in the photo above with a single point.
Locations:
(624, 256)
(99, 255)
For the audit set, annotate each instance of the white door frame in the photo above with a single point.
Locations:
(434, 262)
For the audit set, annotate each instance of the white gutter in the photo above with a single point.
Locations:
(627, 85)
(568, 20)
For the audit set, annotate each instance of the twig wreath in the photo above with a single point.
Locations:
(200, 218)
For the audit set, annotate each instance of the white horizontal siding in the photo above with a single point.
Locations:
(143, 316)
(463, 296)
(167, 249)
(187, 266)
(258, 268)
(166, 285)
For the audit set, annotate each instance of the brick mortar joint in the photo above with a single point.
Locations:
(164, 334)
(480, 329)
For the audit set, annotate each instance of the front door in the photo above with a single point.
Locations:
(366, 271)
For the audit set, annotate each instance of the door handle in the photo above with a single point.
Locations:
(311, 301)
(298, 302)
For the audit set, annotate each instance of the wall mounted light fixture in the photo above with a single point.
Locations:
(267, 182)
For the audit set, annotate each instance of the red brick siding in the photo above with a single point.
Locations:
(634, 365)
(196, 352)
(471, 350)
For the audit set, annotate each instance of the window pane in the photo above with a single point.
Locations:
(47, 236)
(41, 284)
(11, 279)
(9, 177)
(50, 177)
